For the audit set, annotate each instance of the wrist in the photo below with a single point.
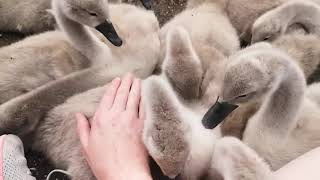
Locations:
(140, 176)
(137, 173)
(121, 174)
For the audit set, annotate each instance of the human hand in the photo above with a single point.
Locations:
(113, 143)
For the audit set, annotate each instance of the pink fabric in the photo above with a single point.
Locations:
(1, 156)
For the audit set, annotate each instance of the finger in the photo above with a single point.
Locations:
(83, 129)
(110, 94)
(134, 97)
(121, 98)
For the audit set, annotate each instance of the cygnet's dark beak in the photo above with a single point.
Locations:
(110, 33)
(147, 3)
(217, 113)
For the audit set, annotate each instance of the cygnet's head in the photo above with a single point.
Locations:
(93, 13)
(246, 79)
(266, 28)
(249, 76)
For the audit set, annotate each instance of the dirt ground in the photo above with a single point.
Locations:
(40, 166)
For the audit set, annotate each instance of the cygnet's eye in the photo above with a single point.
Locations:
(93, 14)
(267, 38)
(243, 96)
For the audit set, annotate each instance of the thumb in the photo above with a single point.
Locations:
(83, 129)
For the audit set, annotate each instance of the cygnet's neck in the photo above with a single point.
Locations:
(300, 12)
(281, 107)
(80, 37)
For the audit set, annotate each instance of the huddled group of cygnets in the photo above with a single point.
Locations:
(218, 68)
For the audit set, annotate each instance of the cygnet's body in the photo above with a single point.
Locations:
(55, 135)
(36, 61)
(42, 58)
(212, 45)
(242, 13)
(27, 17)
(193, 57)
(235, 160)
(277, 21)
(173, 133)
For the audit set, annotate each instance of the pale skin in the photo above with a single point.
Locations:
(112, 141)
(113, 146)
